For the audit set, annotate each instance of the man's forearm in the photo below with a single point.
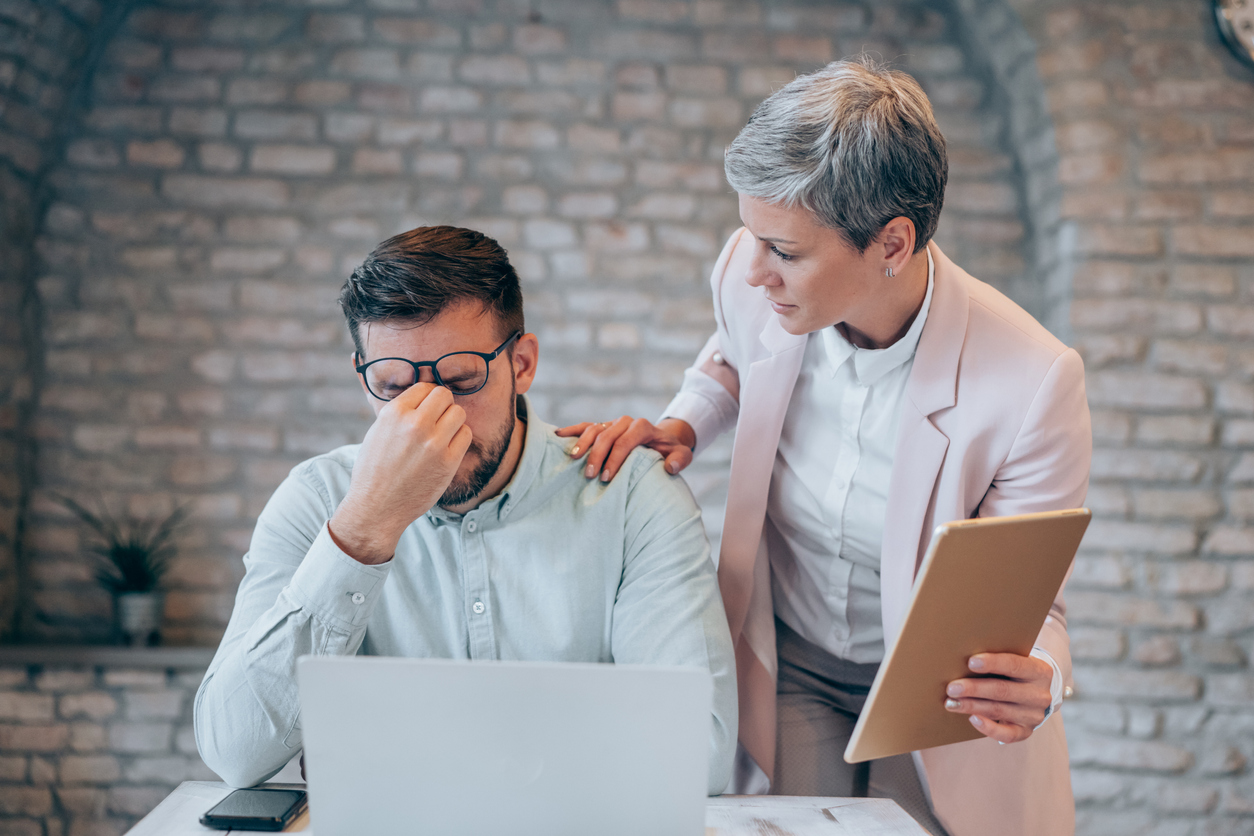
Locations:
(247, 708)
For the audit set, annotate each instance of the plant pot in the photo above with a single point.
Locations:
(137, 617)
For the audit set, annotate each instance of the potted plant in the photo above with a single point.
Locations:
(133, 557)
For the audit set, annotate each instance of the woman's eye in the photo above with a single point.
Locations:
(782, 256)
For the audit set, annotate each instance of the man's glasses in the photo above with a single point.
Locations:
(462, 372)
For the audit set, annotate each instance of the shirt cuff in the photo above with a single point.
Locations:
(1055, 684)
(334, 587)
(708, 410)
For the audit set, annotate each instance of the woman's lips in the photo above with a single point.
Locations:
(780, 308)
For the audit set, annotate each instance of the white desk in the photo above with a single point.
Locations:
(735, 815)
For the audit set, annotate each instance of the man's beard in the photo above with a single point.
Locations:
(491, 453)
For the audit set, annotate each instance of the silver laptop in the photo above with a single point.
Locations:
(455, 748)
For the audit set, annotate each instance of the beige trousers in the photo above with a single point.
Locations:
(819, 697)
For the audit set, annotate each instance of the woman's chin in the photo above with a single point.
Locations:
(792, 321)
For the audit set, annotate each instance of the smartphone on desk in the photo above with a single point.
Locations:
(256, 809)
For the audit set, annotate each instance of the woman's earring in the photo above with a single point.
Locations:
(888, 271)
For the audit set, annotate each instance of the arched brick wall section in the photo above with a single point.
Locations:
(993, 34)
(1154, 123)
(44, 48)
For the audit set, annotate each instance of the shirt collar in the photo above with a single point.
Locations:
(524, 473)
(870, 364)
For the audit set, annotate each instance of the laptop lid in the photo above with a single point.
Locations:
(439, 746)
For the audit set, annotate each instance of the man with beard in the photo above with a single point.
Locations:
(461, 527)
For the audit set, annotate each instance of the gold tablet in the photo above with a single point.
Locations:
(985, 586)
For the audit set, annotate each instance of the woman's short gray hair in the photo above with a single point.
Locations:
(855, 143)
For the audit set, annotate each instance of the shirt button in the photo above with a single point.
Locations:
(471, 526)
(358, 598)
(478, 608)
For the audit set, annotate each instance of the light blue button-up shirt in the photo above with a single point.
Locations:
(556, 567)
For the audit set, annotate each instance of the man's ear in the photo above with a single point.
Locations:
(361, 378)
(526, 357)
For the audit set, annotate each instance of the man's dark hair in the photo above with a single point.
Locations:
(413, 277)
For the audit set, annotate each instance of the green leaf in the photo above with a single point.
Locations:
(132, 554)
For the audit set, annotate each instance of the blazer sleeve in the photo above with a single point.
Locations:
(709, 398)
(1047, 469)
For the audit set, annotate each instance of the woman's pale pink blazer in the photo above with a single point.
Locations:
(995, 422)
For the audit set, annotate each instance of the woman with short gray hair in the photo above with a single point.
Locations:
(876, 390)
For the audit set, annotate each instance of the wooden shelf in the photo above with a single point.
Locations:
(87, 655)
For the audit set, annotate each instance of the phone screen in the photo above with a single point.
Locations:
(258, 805)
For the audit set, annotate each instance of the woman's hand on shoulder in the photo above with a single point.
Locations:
(608, 443)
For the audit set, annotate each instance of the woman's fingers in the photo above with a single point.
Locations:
(1008, 705)
(586, 440)
(638, 431)
(1001, 712)
(677, 459)
(1022, 668)
(997, 689)
(600, 449)
(1002, 732)
(607, 445)
(587, 432)
(573, 429)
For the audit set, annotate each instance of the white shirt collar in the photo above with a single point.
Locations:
(870, 364)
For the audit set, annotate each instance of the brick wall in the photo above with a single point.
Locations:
(230, 167)
(1154, 124)
(88, 749)
(41, 47)
(231, 163)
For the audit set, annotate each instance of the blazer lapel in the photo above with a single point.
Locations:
(921, 447)
(763, 403)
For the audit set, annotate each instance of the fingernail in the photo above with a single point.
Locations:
(574, 452)
(952, 704)
(975, 663)
(954, 689)
(605, 476)
(667, 468)
(589, 471)
(977, 722)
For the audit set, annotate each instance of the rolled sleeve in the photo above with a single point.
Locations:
(705, 405)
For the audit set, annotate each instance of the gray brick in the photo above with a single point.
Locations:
(25, 707)
(140, 738)
(1119, 753)
(96, 705)
(89, 769)
(25, 801)
(268, 124)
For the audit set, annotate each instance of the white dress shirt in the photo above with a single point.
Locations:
(829, 488)
(829, 491)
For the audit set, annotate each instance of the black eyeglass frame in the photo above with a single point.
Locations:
(418, 366)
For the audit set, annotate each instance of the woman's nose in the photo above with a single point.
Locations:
(760, 273)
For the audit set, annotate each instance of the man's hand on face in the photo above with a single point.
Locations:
(406, 462)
